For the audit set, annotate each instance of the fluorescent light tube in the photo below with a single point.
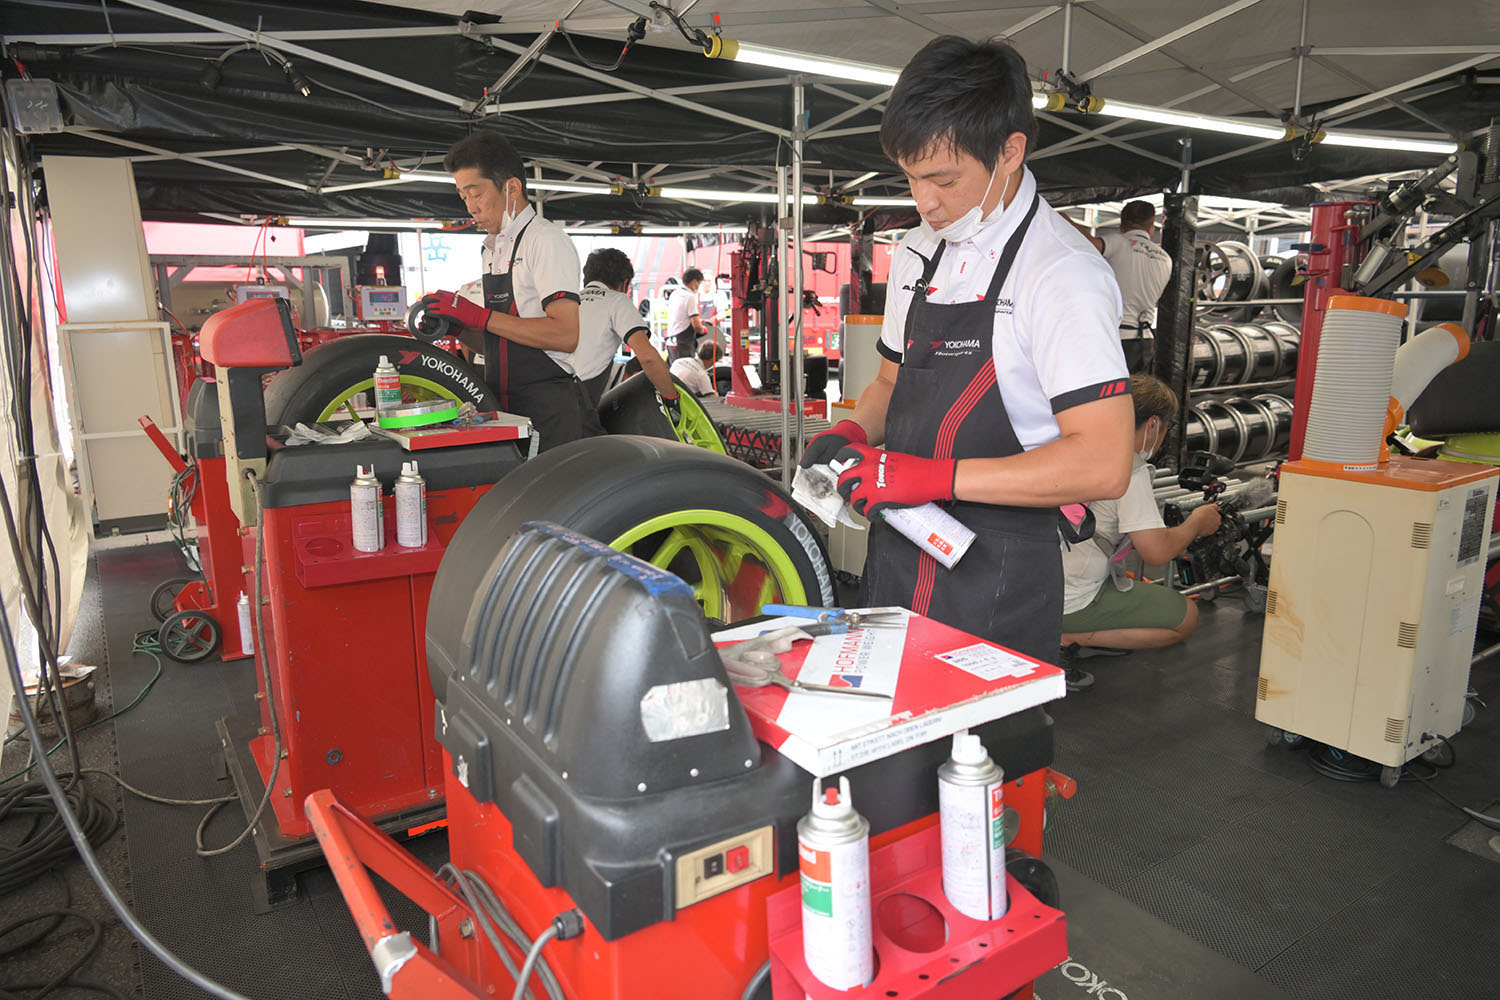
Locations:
(1186, 119)
(570, 187)
(876, 202)
(1358, 141)
(704, 194)
(800, 62)
(690, 231)
(311, 223)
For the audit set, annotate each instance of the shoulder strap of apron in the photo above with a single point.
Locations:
(510, 269)
(1008, 255)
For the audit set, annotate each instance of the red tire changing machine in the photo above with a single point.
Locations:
(666, 863)
(342, 666)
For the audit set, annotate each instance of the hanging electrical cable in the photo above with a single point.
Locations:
(84, 818)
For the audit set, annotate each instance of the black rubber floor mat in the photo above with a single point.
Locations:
(1117, 951)
(115, 962)
(1429, 929)
(1116, 828)
(199, 908)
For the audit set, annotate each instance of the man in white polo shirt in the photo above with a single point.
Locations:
(607, 319)
(1002, 391)
(528, 323)
(1143, 269)
(684, 317)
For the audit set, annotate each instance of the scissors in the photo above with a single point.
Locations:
(754, 663)
(842, 620)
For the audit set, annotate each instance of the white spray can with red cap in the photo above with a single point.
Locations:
(833, 850)
(971, 817)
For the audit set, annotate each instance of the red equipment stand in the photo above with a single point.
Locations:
(348, 666)
(710, 954)
(217, 595)
(741, 393)
(924, 947)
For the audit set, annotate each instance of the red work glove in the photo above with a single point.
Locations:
(882, 479)
(821, 449)
(457, 308)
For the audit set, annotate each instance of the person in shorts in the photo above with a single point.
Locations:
(1103, 606)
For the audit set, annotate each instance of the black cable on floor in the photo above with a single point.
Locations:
(45, 843)
(1340, 766)
(39, 989)
(145, 642)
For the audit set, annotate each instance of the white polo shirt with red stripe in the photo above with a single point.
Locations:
(546, 267)
(1142, 269)
(1056, 342)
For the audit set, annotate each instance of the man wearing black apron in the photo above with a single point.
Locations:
(684, 319)
(528, 323)
(1002, 391)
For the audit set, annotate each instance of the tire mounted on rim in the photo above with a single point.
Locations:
(330, 373)
(726, 529)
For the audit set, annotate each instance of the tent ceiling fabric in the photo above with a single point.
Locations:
(144, 94)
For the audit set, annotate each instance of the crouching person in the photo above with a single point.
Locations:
(1102, 606)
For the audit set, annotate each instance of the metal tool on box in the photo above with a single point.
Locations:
(869, 618)
(754, 662)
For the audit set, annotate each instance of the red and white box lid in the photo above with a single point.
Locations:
(942, 680)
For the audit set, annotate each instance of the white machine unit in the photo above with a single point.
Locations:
(379, 302)
(1373, 603)
(244, 293)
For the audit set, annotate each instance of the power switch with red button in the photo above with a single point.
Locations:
(737, 859)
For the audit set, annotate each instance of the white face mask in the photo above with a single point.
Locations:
(1153, 442)
(969, 224)
(506, 215)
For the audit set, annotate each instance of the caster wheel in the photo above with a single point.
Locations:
(189, 636)
(1281, 738)
(165, 594)
(1209, 596)
(1469, 712)
(1439, 755)
(1255, 599)
(1389, 776)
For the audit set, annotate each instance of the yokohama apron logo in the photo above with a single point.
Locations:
(954, 348)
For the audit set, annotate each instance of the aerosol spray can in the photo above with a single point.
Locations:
(366, 510)
(936, 532)
(387, 384)
(971, 808)
(247, 627)
(833, 846)
(411, 507)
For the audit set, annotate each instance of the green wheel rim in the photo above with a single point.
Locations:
(696, 428)
(733, 565)
(414, 389)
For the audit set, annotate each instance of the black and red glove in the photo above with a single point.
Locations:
(821, 449)
(881, 479)
(457, 308)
